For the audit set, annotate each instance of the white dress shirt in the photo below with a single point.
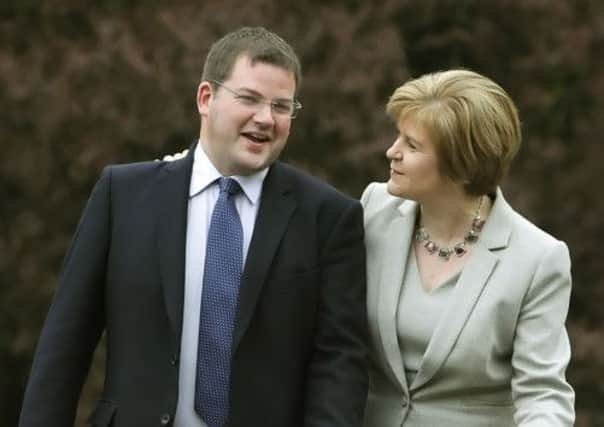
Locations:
(203, 193)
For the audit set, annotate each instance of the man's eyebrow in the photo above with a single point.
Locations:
(256, 93)
(247, 89)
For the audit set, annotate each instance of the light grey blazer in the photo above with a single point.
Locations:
(500, 350)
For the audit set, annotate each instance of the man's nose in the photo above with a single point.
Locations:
(264, 115)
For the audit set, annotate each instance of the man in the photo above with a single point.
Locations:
(231, 286)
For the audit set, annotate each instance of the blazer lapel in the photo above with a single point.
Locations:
(397, 241)
(469, 287)
(171, 205)
(276, 207)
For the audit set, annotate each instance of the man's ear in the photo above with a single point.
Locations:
(204, 96)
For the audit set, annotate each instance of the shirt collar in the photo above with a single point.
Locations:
(205, 173)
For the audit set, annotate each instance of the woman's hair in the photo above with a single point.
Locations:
(472, 122)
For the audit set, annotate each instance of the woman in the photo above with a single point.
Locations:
(466, 298)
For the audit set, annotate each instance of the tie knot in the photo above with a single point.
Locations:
(229, 185)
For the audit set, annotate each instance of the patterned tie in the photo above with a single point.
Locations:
(221, 279)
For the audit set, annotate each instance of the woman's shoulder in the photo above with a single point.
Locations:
(376, 197)
(524, 232)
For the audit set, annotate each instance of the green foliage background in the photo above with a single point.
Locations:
(83, 85)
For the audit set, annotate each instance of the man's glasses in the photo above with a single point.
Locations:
(280, 107)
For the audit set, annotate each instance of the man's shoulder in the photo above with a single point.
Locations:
(136, 167)
(128, 179)
(309, 184)
(141, 170)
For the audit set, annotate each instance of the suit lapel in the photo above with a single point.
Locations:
(276, 207)
(397, 241)
(171, 205)
(470, 285)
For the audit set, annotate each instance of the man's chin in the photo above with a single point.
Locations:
(251, 166)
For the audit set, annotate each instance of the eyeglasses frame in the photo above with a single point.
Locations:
(296, 105)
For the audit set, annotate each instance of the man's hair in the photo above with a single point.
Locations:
(472, 122)
(258, 44)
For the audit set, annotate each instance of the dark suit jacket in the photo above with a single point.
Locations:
(300, 340)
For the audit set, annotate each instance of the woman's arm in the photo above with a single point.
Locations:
(542, 396)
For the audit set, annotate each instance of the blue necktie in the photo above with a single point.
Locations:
(221, 280)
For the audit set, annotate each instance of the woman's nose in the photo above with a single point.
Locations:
(393, 152)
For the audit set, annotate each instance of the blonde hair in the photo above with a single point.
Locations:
(470, 119)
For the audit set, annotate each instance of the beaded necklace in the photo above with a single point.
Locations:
(459, 249)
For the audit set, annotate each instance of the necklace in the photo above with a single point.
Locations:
(459, 249)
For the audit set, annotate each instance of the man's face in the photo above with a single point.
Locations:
(241, 139)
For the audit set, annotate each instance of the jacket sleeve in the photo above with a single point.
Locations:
(542, 396)
(75, 320)
(338, 379)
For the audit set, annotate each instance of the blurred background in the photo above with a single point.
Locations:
(85, 84)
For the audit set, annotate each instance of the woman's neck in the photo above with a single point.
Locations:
(448, 216)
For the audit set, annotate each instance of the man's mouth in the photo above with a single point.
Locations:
(256, 137)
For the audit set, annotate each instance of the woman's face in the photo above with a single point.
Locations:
(414, 164)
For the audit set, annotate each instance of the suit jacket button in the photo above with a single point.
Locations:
(165, 419)
(174, 360)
